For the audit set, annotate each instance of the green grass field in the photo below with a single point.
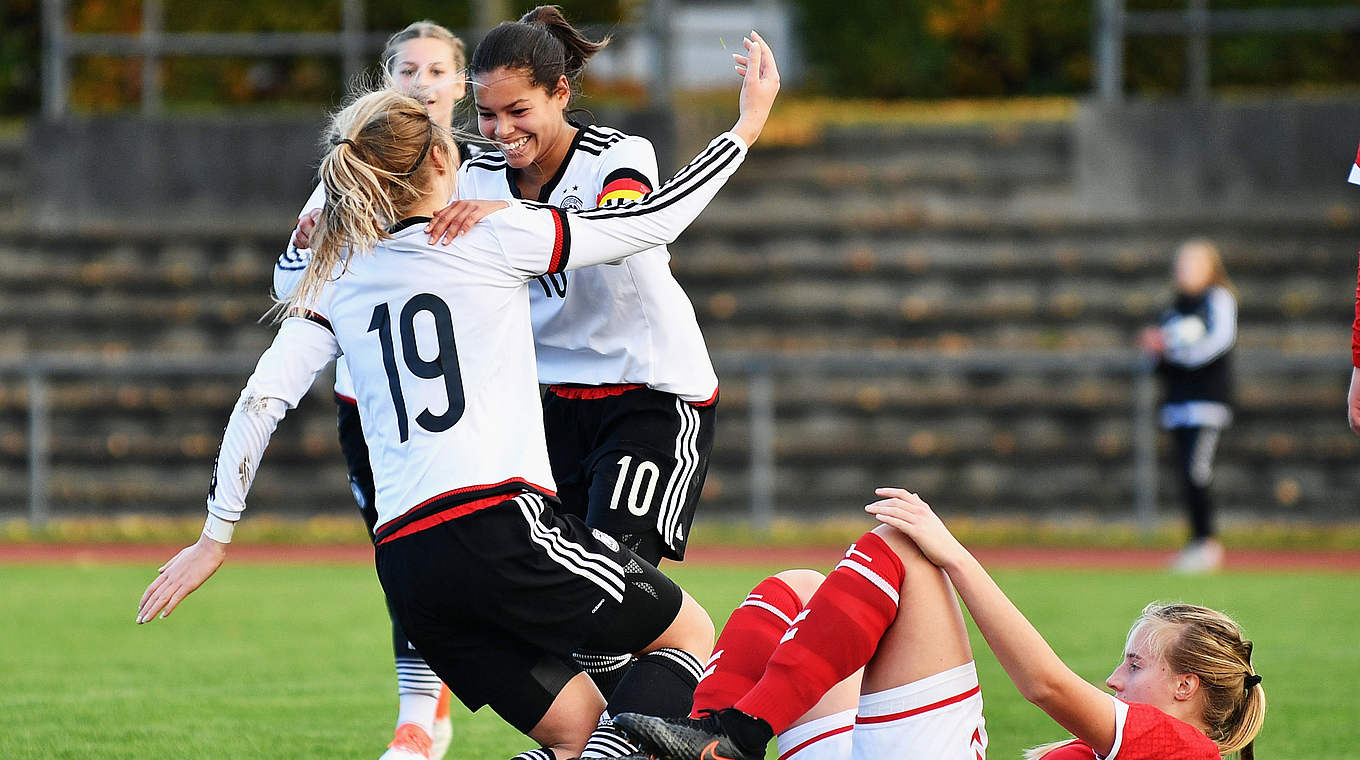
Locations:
(294, 661)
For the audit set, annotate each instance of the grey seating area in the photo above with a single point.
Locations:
(939, 241)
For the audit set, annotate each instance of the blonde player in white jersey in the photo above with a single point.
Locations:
(428, 58)
(492, 586)
(630, 405)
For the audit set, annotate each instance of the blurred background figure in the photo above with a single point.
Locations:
(1193, 343)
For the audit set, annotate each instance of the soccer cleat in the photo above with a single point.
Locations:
(409, 743)
(443, 727)
(683, 739)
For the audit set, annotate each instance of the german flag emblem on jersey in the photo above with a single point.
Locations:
(623, 185)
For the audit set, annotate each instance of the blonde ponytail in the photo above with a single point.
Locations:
(374, 169)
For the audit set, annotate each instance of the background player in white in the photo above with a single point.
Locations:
(1192, 344)
(1185, 688)
(630, 406)
(426, 58)
(493, 587)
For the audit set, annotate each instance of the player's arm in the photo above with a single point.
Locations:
(1040, 675)
(1222, 333)
(302, 348)
(292, 263)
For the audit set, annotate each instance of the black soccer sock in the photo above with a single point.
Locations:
(542, 753)
(659, 683)
(606, 670)
(748, 732)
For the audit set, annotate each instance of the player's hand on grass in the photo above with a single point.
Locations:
(759, 86)
(302, 236)
(908, 513)
(1353, 402)
(458, 217)
(179, 577)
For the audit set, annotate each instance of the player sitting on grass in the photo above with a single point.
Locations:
(1184, 689)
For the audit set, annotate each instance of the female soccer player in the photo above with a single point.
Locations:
(630, 406)
(425, 58)
(1193, 347)
(1184, 689)
(490, 584)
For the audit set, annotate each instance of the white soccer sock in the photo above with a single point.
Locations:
(608, 741)
(418, 709)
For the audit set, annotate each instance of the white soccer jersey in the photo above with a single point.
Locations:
(288, 272)
(1355, 169)
(440, 348)
(624, 323)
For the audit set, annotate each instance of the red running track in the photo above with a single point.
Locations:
(815, 556)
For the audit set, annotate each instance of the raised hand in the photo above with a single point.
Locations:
(759, 86)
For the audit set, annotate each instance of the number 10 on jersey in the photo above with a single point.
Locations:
(444, 365)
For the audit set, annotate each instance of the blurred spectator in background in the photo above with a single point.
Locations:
(1192, 343)
(1353, 399)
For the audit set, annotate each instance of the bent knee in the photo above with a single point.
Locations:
(692, 630)
(906, 549)
(803, 581)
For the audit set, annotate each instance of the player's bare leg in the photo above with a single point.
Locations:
(564, 729)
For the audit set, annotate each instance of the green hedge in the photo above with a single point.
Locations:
(866, 48)
(971, 48)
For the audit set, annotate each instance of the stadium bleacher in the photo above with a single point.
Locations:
(940, 240)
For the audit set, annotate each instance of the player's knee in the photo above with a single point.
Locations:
(693, 629)
(803, 581)
(906, 549)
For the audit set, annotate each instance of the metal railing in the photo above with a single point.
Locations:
(352, 43)
(1197, 23)
(760, 369)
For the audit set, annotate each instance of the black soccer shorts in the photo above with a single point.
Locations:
(497, 600)
(630, 462)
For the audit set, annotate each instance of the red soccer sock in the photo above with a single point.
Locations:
(832, 637)
(745, 645)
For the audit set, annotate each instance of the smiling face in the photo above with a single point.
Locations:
(523, 119)
(425, 66)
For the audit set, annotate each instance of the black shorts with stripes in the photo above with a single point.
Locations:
(631, 463)
(497, 600)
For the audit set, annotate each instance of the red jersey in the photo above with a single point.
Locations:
(1355, 328)
(1142, 732)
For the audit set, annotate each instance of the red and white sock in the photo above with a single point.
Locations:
(835, 634)
(745, 645)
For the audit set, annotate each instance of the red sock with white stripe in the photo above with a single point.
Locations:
(745, 645)
(835, 634)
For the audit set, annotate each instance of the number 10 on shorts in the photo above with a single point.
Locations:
(644, 478)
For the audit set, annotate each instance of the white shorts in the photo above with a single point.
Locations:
(827, 738)
(935, 718)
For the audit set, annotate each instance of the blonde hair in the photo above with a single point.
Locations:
(421, 30)
(1210, 645)
(1218, 273)
(375, 168)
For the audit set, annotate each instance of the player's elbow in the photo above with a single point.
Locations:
(1044, 690)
